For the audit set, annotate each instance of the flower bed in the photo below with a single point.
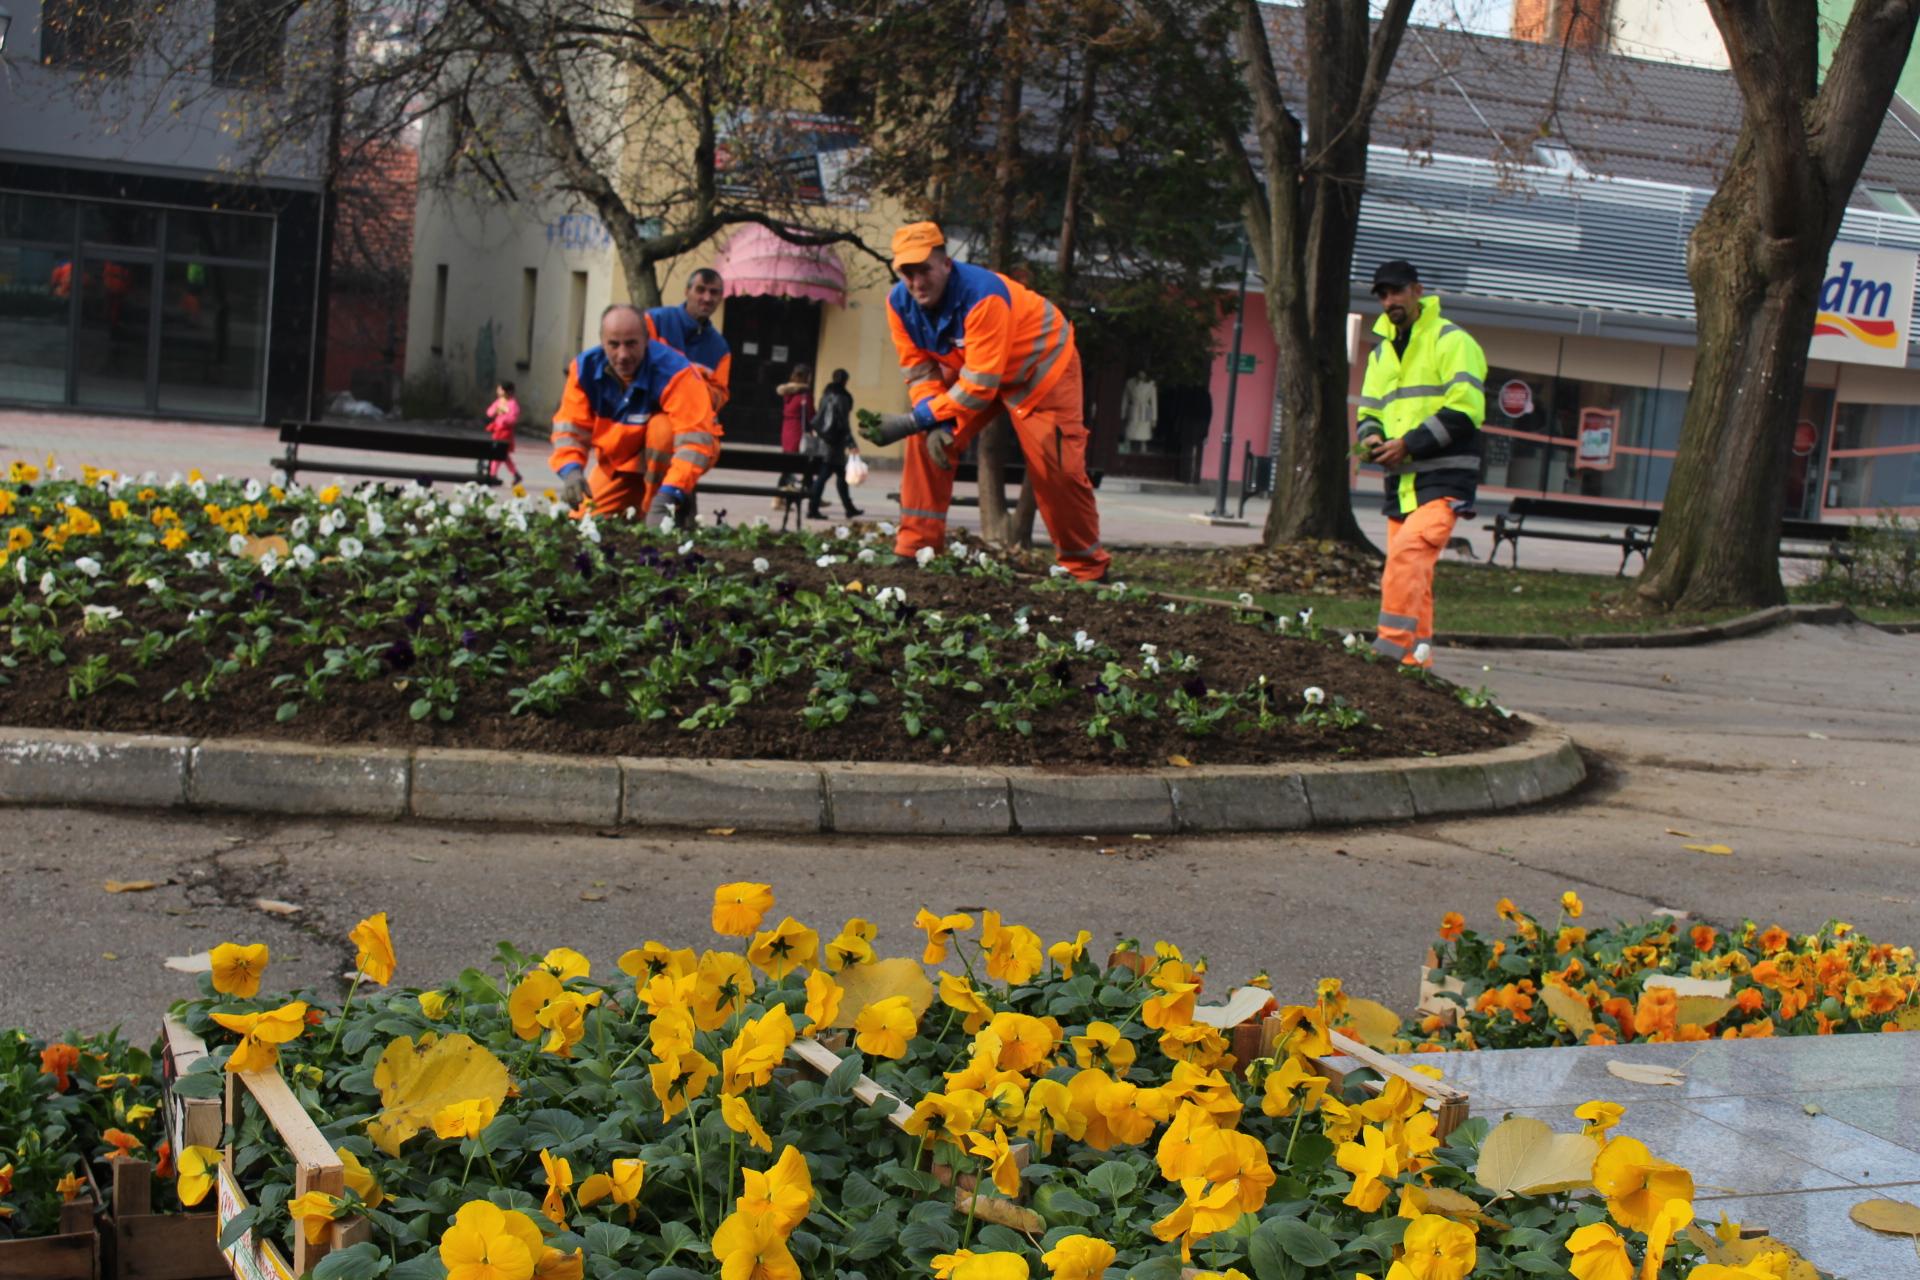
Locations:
(539, 1121)
(466, 619)
(1654, 981)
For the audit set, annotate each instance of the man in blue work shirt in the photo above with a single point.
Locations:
(688, 329)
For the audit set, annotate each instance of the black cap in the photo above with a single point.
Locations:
(1397, 274)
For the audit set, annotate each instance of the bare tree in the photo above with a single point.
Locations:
(1756, 259)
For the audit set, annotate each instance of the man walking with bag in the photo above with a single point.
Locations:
(1420, 413)
(833, 429)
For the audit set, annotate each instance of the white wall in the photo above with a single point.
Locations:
(132, 123)
(1668, 31)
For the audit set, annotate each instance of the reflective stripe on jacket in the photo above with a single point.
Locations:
(597, 413)
(1434, 397)
(702, 344)
(998, 343)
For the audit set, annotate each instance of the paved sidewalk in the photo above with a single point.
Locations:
(1785, 1134)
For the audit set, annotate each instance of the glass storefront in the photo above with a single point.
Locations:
(133, 308)
(1875, 462)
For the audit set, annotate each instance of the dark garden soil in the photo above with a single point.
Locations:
(1409, 717)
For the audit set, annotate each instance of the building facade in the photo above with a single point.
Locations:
(136, 275)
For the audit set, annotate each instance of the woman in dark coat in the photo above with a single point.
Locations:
(834, 425)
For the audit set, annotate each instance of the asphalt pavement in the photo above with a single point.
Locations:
(1795, 749)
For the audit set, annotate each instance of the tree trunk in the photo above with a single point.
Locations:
(996, 442)
(1718, 544)
(643, 282)
(1082, 142)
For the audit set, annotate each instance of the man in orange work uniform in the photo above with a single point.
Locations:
(1421, 407)
(688, 329)
(974, 345)
(644, 409)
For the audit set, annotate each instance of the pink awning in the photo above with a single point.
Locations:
(756, 261)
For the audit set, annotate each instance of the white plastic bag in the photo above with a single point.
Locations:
(856, 469)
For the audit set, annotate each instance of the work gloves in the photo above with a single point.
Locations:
(940, 447)
(667, 501)
(923, 414)
(573, 484)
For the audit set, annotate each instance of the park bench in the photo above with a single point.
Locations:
(768, 460)
(1634, 526)
(394, 438)
(1256, 477)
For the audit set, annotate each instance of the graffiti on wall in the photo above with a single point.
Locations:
(578, 231)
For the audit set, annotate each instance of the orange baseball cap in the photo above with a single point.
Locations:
(915, 242)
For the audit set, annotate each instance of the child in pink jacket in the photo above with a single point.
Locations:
(502, 416)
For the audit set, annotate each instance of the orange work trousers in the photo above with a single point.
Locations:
(1054, 439)
(614, 492)
(1406, 584)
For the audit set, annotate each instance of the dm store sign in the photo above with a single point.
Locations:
(1866, 307)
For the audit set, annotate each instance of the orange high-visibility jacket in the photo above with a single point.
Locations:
(700, 343)
(598, 413)
(998, 341)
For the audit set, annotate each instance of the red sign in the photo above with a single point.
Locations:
(1598, 429)
(1805, 436)
(1516, 399)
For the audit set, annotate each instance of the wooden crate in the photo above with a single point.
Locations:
(315, 1168)
(71, 1254)
(191, 1122)
(142, 1245)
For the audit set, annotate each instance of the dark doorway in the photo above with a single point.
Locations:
(768, 336)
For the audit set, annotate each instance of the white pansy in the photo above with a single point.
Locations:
(1171, 607)
(886, 527)
(253, 490)
(1246, 599)
(1054, 617)
(1349, 640)
(1314, 695)
(376, 523)
(88, 565)
(686, 546)
(46, 583)
(1117, 587)
(666, 524)
(350, 548)
(761, 564)
(1020, 627)
(841, 531)
(20, 569)
(299, 527)
(589, 530)
(100, 613)
(1306, 617)
(1057, 571)
(303, 556)
(199, 489)
(199, 559)
(1279, 624)
(269, 562)
(156, 584)
(827, 562)
(923, 557)
(328, 525)
(517, 520)
(865, 556)
(237, 545)
(890, 595)
(1082, 642)
(279, 477)
(456, 509)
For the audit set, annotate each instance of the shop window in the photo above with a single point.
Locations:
(35, 218)
(439, 343)
(249, 42)
(128, 226)
(1875, 463)
(93, 35)
(237, 236)
(35, 306)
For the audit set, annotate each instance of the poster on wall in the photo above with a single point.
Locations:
(1594, 449)
(1866, 306)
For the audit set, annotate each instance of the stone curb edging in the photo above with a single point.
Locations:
(64, 767)
(1673, 638)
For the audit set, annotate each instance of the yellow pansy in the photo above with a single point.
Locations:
(652, 959)
(314, 1211)
(946, 1117)
(464, 1119)
(783, 948)
(529, 996)
(853, 945)
(964, 1264)
(622, 1184)
(198, 1166)
(359, 1178)
(486, 1242)
(237, 969)
(782, 1194)
(739, 907)
(375, 959)
(261, 1032)
(823, 1001)
(1079, 1258)
(1635, 1184)
(1104, 1048)
(1600, 1116)
(1373, 1163)
(1067, 954)
(565, 964)
(750, 1247)
(1438, 1248)
(433, 1004)
(722, 984)
(939, 931)
(1571, 904)
(678, 1079)
(957, 993)
(760, 1046)
(735, 1110)
(1012, 951)
(884, 1027)
(1599, 1254)
(559, 1181)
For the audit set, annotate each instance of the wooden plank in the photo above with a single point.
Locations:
(191, 1122)
(76, 1216)
(1449, 1102)
(168, 1246)
(315, 1166)
(817, 1057)
(132, 1188)
(70, 1256)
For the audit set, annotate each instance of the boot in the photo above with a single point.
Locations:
(854, 513)
(815, 513)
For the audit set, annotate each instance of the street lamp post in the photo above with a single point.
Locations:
(1219, 511)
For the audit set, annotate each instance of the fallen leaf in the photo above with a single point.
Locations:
(1138, 836)
(257, 548)
(1720, 849)
(275, 906)
(1685, 835)
(1702, 1001)
(1524, 1156)
(1895, 1217)
(592, 895)
(1569, 1008)
(1003, 1213)
(1645, 1072)
(1907, 1019)
(866, 984)
(1692, 986)
(416, 1080)
(1180, 762)
(1447, 1201)
(130, 886)
(1107, 851)
(420, 857)
(199, 962)
(1373, 1023)
(1738, 1252)
(109, 955)
(721, 831)
(1821, 736)
(1814, 1109)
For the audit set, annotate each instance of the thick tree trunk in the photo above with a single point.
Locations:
(1718, 543)
(643, 283)
(996, 442)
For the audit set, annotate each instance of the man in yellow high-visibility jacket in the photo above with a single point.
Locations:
(1420, 414)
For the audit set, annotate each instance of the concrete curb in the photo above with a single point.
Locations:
(61, 767)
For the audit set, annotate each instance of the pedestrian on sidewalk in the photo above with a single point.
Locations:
(503, 415)
(796, 411)
(833, 427)
(1420, 413)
